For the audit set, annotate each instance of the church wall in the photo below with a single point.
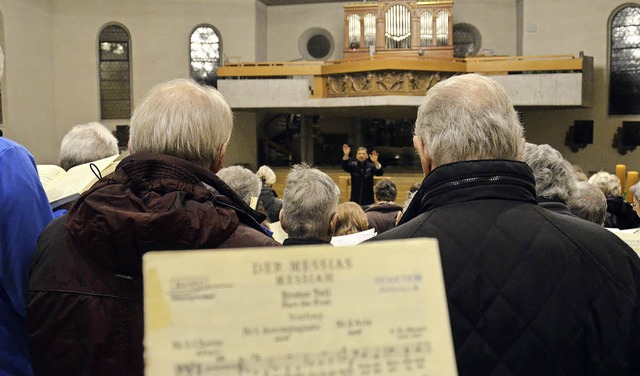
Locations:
(571, 26)
(159, 52)
(494, 19)
(262, 27)
(288, 22)
(27, 85)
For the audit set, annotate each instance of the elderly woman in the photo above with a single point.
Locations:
(268, 196)
(635, 189)
(619, 214)
(243, 182)
(555, 179)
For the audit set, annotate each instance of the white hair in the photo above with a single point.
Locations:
(608, 183)
(554, 176)
(588, 202)
(183, 119)
(86, 143)
(266, 174)
(635, 189)
(468, 117)
(242, 181)
(310, 199)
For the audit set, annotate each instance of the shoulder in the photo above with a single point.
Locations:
(417, 227)
(245, 236)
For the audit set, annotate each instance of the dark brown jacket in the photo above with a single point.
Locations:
(383, 216)
(84, 304)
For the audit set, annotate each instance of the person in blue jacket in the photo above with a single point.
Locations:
(24, 213)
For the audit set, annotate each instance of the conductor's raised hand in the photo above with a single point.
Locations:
(346, 150)
(374, 157)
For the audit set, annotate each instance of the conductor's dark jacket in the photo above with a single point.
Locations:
(361, 180)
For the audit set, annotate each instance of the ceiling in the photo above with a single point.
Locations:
(290, 2)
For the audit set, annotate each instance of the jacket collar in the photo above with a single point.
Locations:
(473, 180)
(155, 202)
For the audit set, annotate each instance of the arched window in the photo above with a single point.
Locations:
(624, 61)
(114, 50)
(206, 48)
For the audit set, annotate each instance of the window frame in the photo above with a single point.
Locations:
(220, 61)
(612, 15)
(99, 69)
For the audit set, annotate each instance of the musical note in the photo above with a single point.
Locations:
(377, 360)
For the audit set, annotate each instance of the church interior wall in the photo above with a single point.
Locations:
(28, 89)
(560, 27)
(51, 58)
(494, 19)
(288, 22)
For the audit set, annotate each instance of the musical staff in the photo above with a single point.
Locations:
(401, 359)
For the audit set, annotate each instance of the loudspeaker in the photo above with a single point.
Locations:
(580, 135)
(582, 132)
(630, 133)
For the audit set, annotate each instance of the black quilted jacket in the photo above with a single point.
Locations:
(530, 291)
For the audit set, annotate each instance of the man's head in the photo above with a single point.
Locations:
(185, 120)
(555, 179)
(588, 202)
(385, 190)
(309, 203)
(467, 117)
(86, 143)
(244, 182)
(361, 154)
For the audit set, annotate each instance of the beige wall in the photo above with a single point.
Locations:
(585, 28)
(262, 26)
(28, 108)
(50, 81)
(494, 19)
(51, 74)
(287, 23)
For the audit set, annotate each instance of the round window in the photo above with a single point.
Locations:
(466, 40)
(316, 44)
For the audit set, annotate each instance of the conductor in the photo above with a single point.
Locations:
(362, 171)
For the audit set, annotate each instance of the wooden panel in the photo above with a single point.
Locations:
(482, 66)
(267, 69)
(395, 63)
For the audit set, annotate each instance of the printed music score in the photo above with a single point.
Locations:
(376, 309)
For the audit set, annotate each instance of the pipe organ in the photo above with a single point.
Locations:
(399, 27)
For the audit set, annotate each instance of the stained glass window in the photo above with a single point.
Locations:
(624, 62)
(114, 73)
(205, 54)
